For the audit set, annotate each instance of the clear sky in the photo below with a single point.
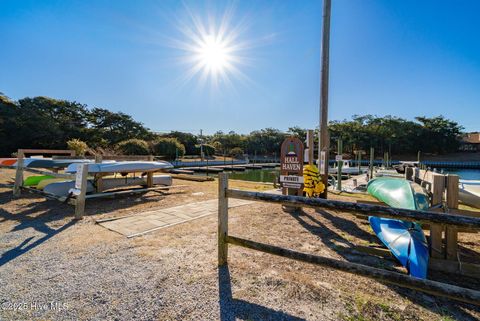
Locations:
(258, 69)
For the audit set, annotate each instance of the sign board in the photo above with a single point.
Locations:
(291, 179)
(290, 185)
(291, 165)
(78, 177)
(323, 162)
(338, 158)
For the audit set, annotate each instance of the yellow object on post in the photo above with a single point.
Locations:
(312, 185)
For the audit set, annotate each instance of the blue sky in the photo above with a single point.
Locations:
(404, 58)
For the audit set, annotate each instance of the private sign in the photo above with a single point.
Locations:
(291, 167)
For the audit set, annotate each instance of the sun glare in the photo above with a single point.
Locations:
(213, 54)
(212, 48)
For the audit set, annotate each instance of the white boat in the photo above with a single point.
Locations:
(347, 169)
(123, 167)
(469, 192)
(62, 188)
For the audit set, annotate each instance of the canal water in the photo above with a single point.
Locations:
(268, 174)
(473, 174)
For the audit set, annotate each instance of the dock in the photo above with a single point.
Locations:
(204, 169)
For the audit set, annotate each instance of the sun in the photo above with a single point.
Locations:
(213, 48)
(213, 53)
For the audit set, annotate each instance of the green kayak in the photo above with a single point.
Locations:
(398, 193)
(405, 239)
(34, 180)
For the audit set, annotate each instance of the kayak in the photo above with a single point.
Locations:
(45, 162)
(62, 188)
(405, 239)
(7, 161)
(123, 167)
(52, 163)
(469, 192)
(42, 184)
(35, 180)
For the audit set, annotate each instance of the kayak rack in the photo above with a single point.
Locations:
(79, 195)
(444, 193)
(428, 286)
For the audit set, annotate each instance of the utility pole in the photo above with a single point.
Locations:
(324, 139)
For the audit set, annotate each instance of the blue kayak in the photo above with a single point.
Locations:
(405, 239)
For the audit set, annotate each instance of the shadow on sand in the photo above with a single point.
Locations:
(331, 239)
(232, 309)
(38, 214)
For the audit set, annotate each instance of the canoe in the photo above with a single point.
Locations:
(41, 185)
(123, 167)
(46, 162)
(7, 161)
(62, 188)
(35, 180)
(52, 163)
(469, 192)
(405, 239)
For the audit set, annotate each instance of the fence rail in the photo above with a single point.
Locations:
(431, 287)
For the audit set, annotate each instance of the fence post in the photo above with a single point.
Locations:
(81, 181)
(19, 174)
(339, 166)
(99, 177)
(150, 174)
(436, 230)
(451, 235)
(222, 219)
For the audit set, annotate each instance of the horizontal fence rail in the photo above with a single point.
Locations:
(359, 208)
(428, 286)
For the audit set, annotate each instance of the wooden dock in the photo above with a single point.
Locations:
(181, 171)
(205, 169)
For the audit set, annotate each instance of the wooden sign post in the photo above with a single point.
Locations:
(291, 168)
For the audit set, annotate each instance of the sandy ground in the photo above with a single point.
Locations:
(54, 268)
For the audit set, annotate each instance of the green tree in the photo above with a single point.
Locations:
(115, 127)
(168, 147)
(133, 147)
(236, 152)
(186, 139)
(80, 147)
(265, 141)
(9, 135)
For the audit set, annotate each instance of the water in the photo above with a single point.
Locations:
(266, 175)
(464, 173)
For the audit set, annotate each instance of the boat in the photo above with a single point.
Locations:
(403, 165)
(43, 183)
(123, 167)
(45, 162)
(405, 239)
(347, 168)
(7, 161)
(35, 180)
(469, 192)
(62, 188)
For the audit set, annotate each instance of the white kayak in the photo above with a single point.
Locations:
(123, 167)
(469, 192)
(62, 188)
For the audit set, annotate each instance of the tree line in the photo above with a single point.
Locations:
(42, 122)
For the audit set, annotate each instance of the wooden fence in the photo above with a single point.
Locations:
(427, 286)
